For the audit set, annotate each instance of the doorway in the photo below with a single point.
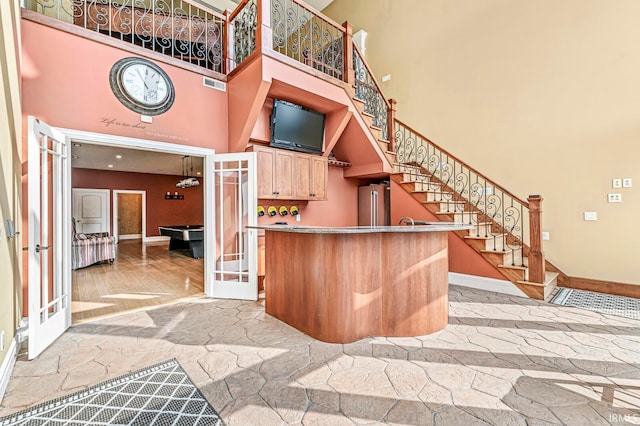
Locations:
(129, 214)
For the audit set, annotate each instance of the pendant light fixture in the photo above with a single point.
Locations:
(187, 181)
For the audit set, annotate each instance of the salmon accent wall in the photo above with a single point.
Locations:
(160, 212)
(65, 83)
(340, 208)
(462, 258)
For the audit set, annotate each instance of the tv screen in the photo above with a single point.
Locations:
(297, 128)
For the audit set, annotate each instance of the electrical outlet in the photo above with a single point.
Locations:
(615, 198)
(617, 183)
(590, 216)
(297, 218)
(626, 183)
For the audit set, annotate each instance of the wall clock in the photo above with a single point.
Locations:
(141, 86)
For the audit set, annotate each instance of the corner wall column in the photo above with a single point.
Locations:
(265, 34)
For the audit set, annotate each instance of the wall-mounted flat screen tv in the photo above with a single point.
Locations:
(297, 128)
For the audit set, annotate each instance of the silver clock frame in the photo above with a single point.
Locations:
(117, 86)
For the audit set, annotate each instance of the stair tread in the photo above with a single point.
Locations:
(460, 212)
(549, 278)
(519, 267)
(498, 251)
(471, 237)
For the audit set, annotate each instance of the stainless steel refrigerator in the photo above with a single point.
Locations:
(374, 206)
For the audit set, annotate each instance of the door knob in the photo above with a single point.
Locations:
(39, 248)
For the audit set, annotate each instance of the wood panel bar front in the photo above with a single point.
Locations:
(341, 287)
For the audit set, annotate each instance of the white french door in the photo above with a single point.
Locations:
(235, 273)
(49, 239)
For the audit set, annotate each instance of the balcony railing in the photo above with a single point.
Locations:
(243, 26)
(307, 36)
(368, 91)
(175, 28)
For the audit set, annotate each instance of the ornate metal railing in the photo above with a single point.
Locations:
(495, 212)
(367, 90)
(244, 24)
(305, 35)
(175, 28)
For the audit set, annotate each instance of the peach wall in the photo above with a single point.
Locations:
(462, 258)
(160, 212)
(340, 208)
(66, 84)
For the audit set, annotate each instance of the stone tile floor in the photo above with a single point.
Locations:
(501, 360)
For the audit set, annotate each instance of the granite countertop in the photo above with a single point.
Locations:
(431, 227)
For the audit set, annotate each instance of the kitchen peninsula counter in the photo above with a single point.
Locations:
(340, 284)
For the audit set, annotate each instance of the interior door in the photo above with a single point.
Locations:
(91, 210)
(235, 274)
(129, 215)
(49, 238)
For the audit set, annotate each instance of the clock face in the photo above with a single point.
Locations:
(142, 86)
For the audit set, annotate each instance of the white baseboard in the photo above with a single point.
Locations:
(484, 283)
(7, 366)
(130, 237)
(155, 239)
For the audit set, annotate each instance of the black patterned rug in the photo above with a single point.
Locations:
(161, 394)
(599, 302)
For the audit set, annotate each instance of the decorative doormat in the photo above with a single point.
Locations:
(161, 394)
(604, 303)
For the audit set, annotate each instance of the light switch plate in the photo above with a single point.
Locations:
(626, 183)
(615, 198)
(617, 183)
(545, 236)
(590, 216)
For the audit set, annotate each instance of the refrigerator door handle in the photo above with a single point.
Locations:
(375, 207)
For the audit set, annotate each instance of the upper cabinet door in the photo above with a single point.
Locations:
(284, 174)
(266, 178)
(318, 178)
(303, 177)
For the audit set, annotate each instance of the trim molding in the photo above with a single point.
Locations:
(7, 366)
(608, 287)
(484, 283)
(157, 238)
(130, 237)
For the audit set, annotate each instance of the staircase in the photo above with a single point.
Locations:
(454, 192)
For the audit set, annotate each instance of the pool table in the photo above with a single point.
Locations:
(185, 237)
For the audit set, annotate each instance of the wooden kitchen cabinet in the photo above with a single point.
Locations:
(311, 177)
(288, 175)
(275, 173)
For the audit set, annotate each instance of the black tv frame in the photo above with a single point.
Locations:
(292, 145)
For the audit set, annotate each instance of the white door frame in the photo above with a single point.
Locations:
(106, 209)
(169, 148)
(115, 212)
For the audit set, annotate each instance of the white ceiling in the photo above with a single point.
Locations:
(100, 157)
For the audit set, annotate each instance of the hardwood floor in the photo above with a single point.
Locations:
(142, 276)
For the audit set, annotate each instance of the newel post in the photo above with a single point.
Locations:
(264, 35)
(536, 255)
(391, 120)
(228, 43)
(349, 73)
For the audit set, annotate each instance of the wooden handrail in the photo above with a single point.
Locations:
(237, 10)
(318, 14)
(205, 8)
(366, 65)
(444, 151)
